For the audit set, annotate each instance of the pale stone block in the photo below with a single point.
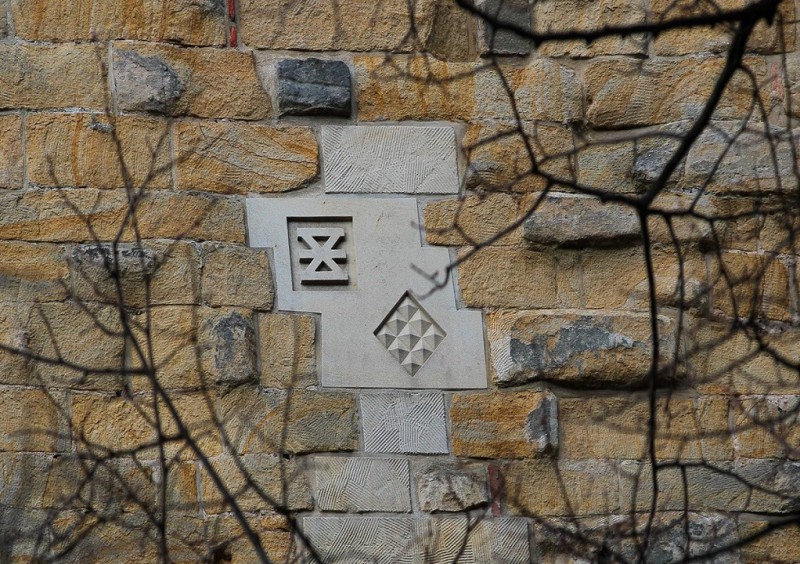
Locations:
(390, 159)
(362, 484)
(407, 423)
(392, 540)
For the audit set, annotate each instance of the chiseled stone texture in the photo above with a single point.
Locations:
(404, 423)
(201, 82)
(145, 84)
(238, 158)
(190, 22)
(505, 424)
(471, 220)
(287, 350)
(236, 276)
(362, 484)
(396, 159)
(37, 77)
(31, 420)
(572, 221)
(589, 349)
(448, 487)
(314, 87)
(386, 540)
(11, 164)
(500, 41)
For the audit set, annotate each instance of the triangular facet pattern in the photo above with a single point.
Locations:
(410, 334)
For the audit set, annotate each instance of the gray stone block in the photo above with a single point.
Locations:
(404, 423)
(390, 159)
(145, 84)
(362, 484)
(449, 487)
(313, 87)
(408, 540)
(574, 221)
(495, 39)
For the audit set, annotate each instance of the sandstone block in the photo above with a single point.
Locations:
(495, 39)
(145, 84)
(504, 425)
(446, 487)
(569, 221)
(12, 168)
(276, 538)
(778, 545)
(68, 215)
(548, 16)
(630, 93)
(228, 347)
(297, 422)
(38, 77)
(150, 273)
(32, 272)
(612, 277)
(31, 421)
(404, 423)
(500, 277)
(765, 427)
(587, 350)
(358, 485)
(287, 349)
(241, 158)
(81, 150)
(470, 220)
(112, 423)
(313, 87)
(263, 482)
(546, 90)
(201, 82)
(236, 276)
(183, 496)
(179, 21)
(15, 367)
(498, 158)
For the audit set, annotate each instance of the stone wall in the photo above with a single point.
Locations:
(159, 390)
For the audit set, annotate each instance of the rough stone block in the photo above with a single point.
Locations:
(568, 221)
(766, 543)
(81, 150)
(547, 90)
(500, 277)
(262, 482)
(396, 159)
(314, 87)
(404, 423)
(32, 272)
(12, 167)
(766, 427)
(387, 540)
(287, 347)
(236, 276)
(495, 38)
(201, 82)
(297, 422)
(504, 425)
(593, 350)
(30, 422)
(227, 341)
(470, 220)
(446, 487)
(38, 77)
(238, 158)
(358, 485)
(180, 21)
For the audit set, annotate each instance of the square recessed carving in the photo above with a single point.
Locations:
(322, 253)
(410, 334)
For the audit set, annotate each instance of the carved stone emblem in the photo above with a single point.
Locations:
(410, 334)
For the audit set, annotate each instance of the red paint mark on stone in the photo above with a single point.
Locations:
(233, 39)
(232, 10)
(496, 489)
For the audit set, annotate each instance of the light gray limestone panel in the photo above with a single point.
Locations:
(382, 327)
(408, 540)
(362, 484)
(404, 423)
(377, 159)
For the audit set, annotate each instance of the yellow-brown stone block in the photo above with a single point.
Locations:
(11, 165)
(30, 420)
(471, 220)
(236, 276)
(287, 347)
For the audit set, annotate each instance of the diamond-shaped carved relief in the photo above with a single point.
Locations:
(410, 334)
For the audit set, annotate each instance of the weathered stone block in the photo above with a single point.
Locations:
(287, 348)
(549, 91)
(271, 483)
(766, 427)
(588, 350)
(500, 277)
(766, 543)
(314, 87)
(504, 425)
(31, 421)
(240, 158)
(276, 537)
(568, 221)
(297, 422)
(470, 220)
(396, 159)
(209, 83)
(236, 276)
(33, 272)
(181, 21)
(228, 347)
(15, 368)
(12, 167)
(386, 540)
(362, 484)
(81, 150)
(446, 487)
(38, 77)
(145, 84)
(495, 38)
(404, 423)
